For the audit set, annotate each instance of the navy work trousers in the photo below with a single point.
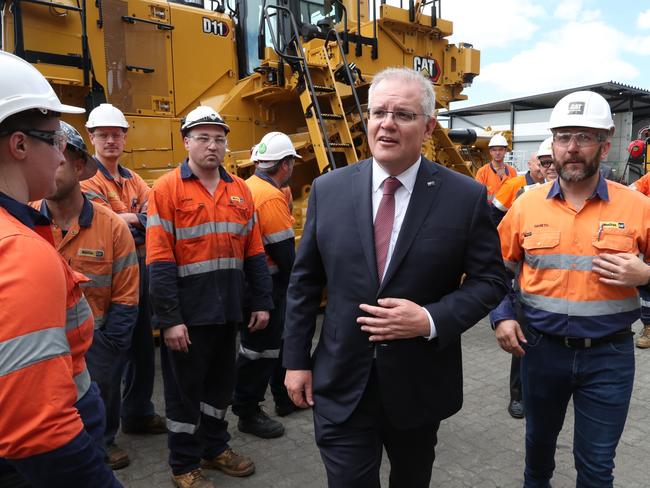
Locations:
(139, 370)
(600, 381)
(79, 464)
(106, 365)
(198, 390)
(259, 363)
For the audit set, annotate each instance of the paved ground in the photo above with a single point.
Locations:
(481, 446)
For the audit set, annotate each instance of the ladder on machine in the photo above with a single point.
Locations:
(318, 69)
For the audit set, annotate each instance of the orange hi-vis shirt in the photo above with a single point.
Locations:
(47, 327)
(202, 249)
(642, 185)
(489, 177)
(100, 246)
(128, 194)
(510, 190)
(274, 217)
(550, 247)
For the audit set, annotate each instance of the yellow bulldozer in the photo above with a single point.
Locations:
(302, 67)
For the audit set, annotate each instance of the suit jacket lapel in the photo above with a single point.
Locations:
(424, 194)
(362, 185)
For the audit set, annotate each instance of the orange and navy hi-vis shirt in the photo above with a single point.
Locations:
(46, 329)
(276, 224)
(129, 194)
(642, 185)
(507, 194)
(488, 176)
(202, 250)
(99, 245)
(550, 247)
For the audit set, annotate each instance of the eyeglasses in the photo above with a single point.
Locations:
(399, 116)
(583, 139)
(56, 138)
(103, 136)
(207, 140)
(545, 162)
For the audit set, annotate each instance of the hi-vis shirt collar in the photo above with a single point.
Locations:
(124, 173)
(24, 213)
(505, 166)
(263, 176)
(600, 191)
(186, 172)
(85, 217)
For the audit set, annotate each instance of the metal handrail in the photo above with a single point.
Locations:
(348, 73)
(302, 61)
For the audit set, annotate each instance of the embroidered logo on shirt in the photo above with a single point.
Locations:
(90, 253)
(112, 194)
(237, 199)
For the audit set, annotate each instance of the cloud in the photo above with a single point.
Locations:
(568, 10)
(578, 53)
(493, 24)
(643, 20)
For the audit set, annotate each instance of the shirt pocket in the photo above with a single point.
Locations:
(191, 222)
(542, 256)
(613, 243)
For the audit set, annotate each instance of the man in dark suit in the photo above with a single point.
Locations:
(392, 253)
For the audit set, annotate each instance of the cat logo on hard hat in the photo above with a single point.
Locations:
(428, 67)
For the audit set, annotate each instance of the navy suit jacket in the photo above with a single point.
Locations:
(447, 234)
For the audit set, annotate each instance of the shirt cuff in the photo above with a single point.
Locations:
(433, 333)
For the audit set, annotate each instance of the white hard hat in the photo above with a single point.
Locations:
(202, 115)
(272, 148)
(582, 109)
(254, 153)
(545, 148)
(106, 115)
(23, 87)
(498, 141)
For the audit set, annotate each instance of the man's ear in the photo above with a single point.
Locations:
(18, 145)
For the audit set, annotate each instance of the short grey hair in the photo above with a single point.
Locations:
(408, 75)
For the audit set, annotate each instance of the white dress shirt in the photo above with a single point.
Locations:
(402, 199)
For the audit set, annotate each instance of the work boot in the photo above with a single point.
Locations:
(231, 463)
(150, 425)
(516, 409)
(193, 479)
(116, 457)
(643, 342)
(285, 408)
(261, 425)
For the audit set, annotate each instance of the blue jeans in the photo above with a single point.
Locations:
(600, 381)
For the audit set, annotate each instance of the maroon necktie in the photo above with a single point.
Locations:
(384, 222)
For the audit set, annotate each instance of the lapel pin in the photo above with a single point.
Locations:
(431, 183)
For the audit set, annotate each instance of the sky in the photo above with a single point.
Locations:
(530, 47)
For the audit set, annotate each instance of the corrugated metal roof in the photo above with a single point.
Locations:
(619, 96)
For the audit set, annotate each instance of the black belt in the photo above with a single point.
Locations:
(586, 342)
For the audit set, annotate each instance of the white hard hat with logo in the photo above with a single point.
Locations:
(545, 148)
(273, 147)
(498, 141)
(23, 87)
(106, 115)
(582, 109)
(202, 115)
